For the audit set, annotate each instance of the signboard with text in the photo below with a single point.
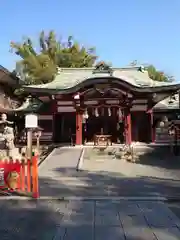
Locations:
(10, 175)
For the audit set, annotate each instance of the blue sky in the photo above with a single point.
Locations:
(121, 30)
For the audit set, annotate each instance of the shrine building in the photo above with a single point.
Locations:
(8, 83)
(123, 103)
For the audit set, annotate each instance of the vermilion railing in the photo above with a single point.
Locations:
(20, 176)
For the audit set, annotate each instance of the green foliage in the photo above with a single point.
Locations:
(155, 74)
(158, 75)
(41, 66)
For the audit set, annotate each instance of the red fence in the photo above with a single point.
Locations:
(20, 176)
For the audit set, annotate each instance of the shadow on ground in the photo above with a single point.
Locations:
(69, 183)
(158, 156)
(50, 220)
(22, 219)
(53, 219)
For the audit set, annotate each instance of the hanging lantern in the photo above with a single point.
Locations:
(109, 112)
(120, 116)
(85, 115)
(96, 112)
(161, 124)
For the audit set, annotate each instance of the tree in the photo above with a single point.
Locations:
(41, 66)
(154, 74)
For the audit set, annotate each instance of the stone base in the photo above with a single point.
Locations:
(3, 153)
(14, 153)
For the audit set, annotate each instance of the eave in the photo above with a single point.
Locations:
(7, 77)
(27, 106)
(156, 93)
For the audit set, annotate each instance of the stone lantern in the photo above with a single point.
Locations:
(37, 134)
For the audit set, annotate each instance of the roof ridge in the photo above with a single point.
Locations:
(113, 68)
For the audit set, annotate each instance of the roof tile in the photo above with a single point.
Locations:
(70, 77)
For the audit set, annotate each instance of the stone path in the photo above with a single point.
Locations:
(124, 178)
(102, 177)
(90, 220)
(59, 166)
(95, 161)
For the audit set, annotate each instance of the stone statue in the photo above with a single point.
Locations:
(6, 132)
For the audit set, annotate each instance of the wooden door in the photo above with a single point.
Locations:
(65, 127)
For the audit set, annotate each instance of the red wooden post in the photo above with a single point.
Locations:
(28, 175)
(78, 128)
(128, 127)
(152, 127)
(23, 175)
(54, 112)
(152, 130)
(35, 190)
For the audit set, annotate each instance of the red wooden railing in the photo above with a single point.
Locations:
(20, 176)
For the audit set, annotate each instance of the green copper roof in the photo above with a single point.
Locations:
(30, 105)
(70, 77)
(168, 103)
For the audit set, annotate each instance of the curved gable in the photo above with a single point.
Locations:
(71, 78)
(130, 80)
(6, 77)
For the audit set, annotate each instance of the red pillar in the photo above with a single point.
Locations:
(152, 127)
(78, 127)
(53, 111)
(128, 127)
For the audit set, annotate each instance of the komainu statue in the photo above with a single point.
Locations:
(6, 132)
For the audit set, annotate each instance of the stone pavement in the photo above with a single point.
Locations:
(154, 166)
(103, 177)
(57, 168)
(90, 220)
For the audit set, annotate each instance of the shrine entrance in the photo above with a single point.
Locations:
(105, 108)
(103, 121)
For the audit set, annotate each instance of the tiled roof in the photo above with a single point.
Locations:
(70, 77)
(8, 77)
(168, 103)
(28, 106)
